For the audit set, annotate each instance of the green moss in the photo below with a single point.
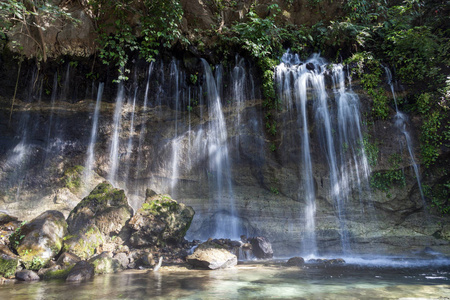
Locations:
(105, 265)
(72, 178)
(369, 70)
(102, 195)
(85, 244)
(159, 204)
(31, 258)
(17, 237)
(8, 267)
(394, 176)
(58, 274)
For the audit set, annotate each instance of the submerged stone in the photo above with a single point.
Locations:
(160, 221)
(38, 241)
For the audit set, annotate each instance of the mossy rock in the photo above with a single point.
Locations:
(98, 218)
(105, 207)
(85, 243)
(38, 241)
(8, 262)
(57, 273)
(103, 264)
(160, 221)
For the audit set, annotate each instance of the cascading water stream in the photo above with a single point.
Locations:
(400, 121)
(350, 136)
(218, 160)
(89, 165)
(238, 77)
(66, 85)
(114, 148)
(50, 131)
(293, 79)
(339, 132)
(175, 142)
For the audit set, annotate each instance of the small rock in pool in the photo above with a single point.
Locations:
(81, 271)
(27, 275)
(295, 261)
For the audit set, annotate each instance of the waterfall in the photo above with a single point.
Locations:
(66, 85)
(50, 122)
(89, 165)
(219, 172)
(353, 159)
(238, 82)
(176, 141)
(337, 123)
(400, 121)
(115, 141)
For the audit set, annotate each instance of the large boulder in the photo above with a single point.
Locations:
(261, 247)
(38, 241)
(160, 221)
(211, 256)
(98, 219)
(8, 262)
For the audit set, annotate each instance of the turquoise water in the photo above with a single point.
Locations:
(270, 280)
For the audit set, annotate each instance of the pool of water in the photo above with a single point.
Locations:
(250, 280)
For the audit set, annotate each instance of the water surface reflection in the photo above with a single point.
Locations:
(251, 281)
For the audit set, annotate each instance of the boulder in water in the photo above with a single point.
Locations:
(296, 261)
(160, 221)
(27, 275)
(81, 271)
(104, 263)
(209, 256)
(38, 241)
(261, 247)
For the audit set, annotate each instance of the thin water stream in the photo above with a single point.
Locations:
(400, 121)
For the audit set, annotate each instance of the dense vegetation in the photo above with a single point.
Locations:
(412, 37)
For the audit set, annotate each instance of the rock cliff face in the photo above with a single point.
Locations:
(171, 135)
